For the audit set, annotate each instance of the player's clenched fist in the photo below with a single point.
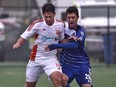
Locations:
(47, 48)
(18, 43)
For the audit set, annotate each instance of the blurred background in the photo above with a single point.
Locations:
(97, 16)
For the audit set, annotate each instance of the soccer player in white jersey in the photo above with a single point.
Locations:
(46, 32)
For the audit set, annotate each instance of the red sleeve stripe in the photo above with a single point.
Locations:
(36, 36)
(59, 20)
(31, 25)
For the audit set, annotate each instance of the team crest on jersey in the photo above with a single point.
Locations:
(82, 33)
(58, 65)
(57, 31)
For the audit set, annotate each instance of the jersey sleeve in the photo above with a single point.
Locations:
(69, 45)
(30, 31)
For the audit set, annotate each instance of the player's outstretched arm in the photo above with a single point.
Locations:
(69, 45)
(19, 42)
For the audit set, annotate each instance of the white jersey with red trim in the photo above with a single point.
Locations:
(44, 35)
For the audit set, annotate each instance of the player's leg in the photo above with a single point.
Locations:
(68, 72)
(30, 84)
(59, 79)
(33, 72)
(84, 78)
(64, 80)
(56, 78)
(86, 85)
(53, 70)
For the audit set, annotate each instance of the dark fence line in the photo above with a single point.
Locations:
(22, 54)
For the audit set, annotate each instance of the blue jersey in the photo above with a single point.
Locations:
(78, 56)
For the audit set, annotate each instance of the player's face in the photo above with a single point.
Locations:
(49, 18)
(72, 20)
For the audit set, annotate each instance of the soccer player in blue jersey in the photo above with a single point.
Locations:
(74, 60)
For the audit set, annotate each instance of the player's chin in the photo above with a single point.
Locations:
(71, 26)
(49, 23)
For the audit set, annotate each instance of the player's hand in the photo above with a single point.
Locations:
(73, 38)
(16, 45)
(47, 48)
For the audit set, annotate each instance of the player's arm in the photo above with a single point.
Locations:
(69, 45)
(29, 32)
(19, 42)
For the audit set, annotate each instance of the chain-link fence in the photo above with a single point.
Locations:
(97, 20)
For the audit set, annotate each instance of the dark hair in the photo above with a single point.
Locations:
(72, 9)
(48, 7)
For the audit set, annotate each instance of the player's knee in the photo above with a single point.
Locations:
(86, 85)
(56, 78)
(65, 78)
(57, 82)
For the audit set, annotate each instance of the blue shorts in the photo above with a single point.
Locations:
(81, 74)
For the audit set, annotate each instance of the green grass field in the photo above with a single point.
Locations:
(13, 75)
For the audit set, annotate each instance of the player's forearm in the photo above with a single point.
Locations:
(19, 42)
(70, 45)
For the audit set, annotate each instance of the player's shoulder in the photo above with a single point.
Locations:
(37, 21)
(81, 28)
(60, 22)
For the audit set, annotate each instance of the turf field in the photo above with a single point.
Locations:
(13, 75)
